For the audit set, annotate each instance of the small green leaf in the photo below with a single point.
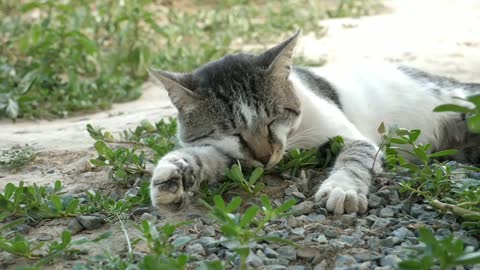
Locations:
(57, 202)
(469, 259)
(72, 206)
(452, 108)
(474, 123)
(443, 153)
(256, 174)
(233, 205)
(249, 215)
(66, 237)
(12, 109)
(381, 129)
(266, 202)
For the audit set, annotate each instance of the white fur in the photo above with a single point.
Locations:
(369, 93)
(372, 93)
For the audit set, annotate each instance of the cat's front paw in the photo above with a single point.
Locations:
(341, 193)
(167, 186)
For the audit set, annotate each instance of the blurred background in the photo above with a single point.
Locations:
(61, 58)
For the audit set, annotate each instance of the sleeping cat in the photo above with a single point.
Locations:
(255, 107)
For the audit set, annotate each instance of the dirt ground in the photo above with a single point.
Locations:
(439, 36)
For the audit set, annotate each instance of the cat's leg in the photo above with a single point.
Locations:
(182, 171)
(346, 189)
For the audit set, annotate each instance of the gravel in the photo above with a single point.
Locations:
(374, 240)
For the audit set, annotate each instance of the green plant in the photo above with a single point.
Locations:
(95, 202)
(160, 254)
(298, 159)
(16, 157)
(250, 186)
(126, 164)
(36, 202)
(19, 245)
(355, 8)
(431, 179)
(444, 254)
(244, 229)
(61, 57)
(473, 112)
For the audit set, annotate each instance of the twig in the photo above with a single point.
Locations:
(454, 209)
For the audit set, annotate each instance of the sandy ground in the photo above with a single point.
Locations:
(440, 36)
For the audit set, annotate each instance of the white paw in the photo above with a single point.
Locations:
(167, 184)
(342, 194)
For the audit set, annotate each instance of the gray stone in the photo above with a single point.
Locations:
(428, 216)
(349, 219)
(303, 208)
(254, 261)
(270, 253)
(322, 239)
(330, 233)
(74, 226)
(195, 249)
(374, 201)
(208, 243)
(274, 267)
(140, 210)
(148, 216)
(387, 242)
(316, 218)
(298, 195)
(390, 260)
(416, 210)
(287, 252)
(403, 233)
(344, 260)
(321, 266)
(181, 241)
(292, 221)
(207, 231)
(307, 252)
(44, 237)
(387, 212)
(373, 243)
(298, 231)
(133, 192)
(296, 267)
(351, 240)
(380, 223)
(85, 223)
(22, 228)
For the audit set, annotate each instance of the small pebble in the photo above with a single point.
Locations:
(287, 252)
(302, 208)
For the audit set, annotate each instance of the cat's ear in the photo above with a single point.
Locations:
(176, 85)
(279, 58)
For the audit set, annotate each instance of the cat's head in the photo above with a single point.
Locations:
(242, 103)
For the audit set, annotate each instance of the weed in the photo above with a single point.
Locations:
(250, 186)
(444, 254)
(431, 179)
(298, 159)
(16, 157)
(127, 165)
(473, 112)
(244, 229)
(60, 57)
(21, 246)
(36, 202)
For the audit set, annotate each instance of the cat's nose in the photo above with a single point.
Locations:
(264, 160)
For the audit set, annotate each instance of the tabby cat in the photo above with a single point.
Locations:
(255, 107)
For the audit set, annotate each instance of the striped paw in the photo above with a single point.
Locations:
(168, 184)
(340, 193)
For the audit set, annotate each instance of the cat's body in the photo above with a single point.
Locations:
(253, 108)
